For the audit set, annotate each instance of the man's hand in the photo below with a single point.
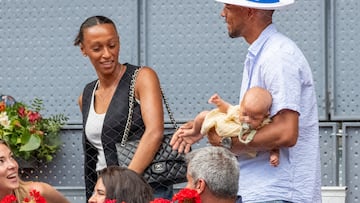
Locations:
(215, 140)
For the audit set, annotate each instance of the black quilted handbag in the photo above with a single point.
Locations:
(168, 166)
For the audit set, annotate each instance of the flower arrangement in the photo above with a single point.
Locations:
(160, 200)
(8, 199)
(27, 132)
(185, 195)
(110, 201)
(35, 197)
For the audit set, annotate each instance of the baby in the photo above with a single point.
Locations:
(237, 121)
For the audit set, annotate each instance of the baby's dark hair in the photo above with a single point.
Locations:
(91, 21)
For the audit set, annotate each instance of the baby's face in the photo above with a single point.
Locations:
(252, 117)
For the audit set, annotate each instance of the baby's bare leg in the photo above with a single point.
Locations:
(222, 105)
(274, 157)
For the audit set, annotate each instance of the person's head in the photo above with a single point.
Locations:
(247, 18)
(99, 40)
(255, 106)
(7, 100)
(9, 177)
(122, 184)
(213, 172)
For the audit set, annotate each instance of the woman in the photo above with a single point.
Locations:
(12, 185)
(121, 184)
(104, 104)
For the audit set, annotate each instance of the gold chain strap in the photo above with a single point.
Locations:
(131, 108)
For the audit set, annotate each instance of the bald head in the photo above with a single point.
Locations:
(258, 99)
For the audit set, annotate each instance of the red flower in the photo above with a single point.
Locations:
(26, 199)
(8, 199)
(187, 195)
(21, 111)
(34, 116)
(37, 197)
(110, 201)
(160, 200)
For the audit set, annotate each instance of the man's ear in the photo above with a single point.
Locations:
(250, 12)
(200, 186)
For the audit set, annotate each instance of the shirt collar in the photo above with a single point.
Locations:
(257, 45)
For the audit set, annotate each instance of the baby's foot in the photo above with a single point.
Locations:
(274, 160)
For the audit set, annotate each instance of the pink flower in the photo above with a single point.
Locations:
(34, 116)
(21, 111)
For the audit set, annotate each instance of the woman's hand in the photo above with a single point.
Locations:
(182, 142)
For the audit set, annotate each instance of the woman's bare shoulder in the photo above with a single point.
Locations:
(38, 186)
(147, 70)
(51, 194)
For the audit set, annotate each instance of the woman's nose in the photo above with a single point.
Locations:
(106, 53)
(92, 199)
(12, 164)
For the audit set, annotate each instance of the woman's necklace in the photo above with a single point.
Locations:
(105, 94)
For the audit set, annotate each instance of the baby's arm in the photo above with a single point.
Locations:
(221, 104)
(195, 130)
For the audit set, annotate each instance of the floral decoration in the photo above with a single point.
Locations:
(34, 197)
(27, 132)
(185, 195)
(110, 201)
(8, 199)
(160, 200)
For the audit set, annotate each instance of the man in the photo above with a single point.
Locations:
(275, 63)
(214, 173)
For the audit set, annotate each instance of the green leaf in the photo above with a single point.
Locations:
(32, 144)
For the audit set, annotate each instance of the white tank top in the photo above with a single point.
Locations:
(93, 129)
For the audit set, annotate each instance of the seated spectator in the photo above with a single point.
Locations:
(214, 173)
(122, 185)
(12, 185)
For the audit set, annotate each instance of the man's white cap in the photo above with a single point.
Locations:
(260, 4)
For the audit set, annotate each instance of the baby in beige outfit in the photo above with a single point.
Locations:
(239, 120)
